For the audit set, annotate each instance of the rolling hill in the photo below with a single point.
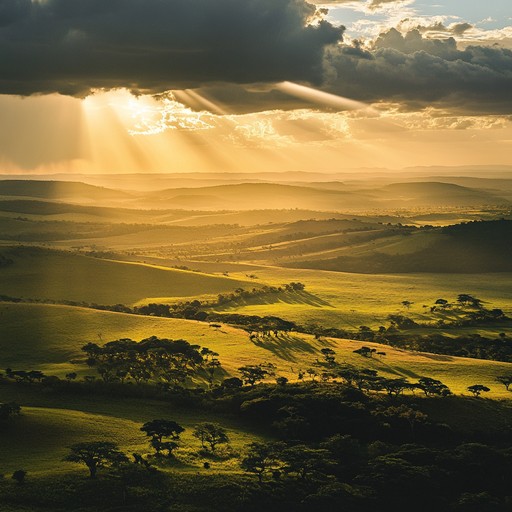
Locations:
(53, 335)
(436, 194)
(64, 276)
(61, 190)
(329, 196)
(464, 248)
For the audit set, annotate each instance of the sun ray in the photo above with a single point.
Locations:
(323, 98)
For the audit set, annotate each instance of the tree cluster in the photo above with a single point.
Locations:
(170, 362)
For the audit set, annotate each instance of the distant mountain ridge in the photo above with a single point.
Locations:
(332, 196)
(59, 190)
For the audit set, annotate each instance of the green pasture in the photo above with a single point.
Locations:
(49, 338)
(40, 437)
(61, 276)
(346, 300)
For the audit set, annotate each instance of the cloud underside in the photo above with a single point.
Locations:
(72, 47)
(416, 70)
(409, 70)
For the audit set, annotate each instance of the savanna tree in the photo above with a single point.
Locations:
(252, 374)
(95, 455)
(506, 380)
(156, 430)
(478, 389)
(210, 435)
(432, 387)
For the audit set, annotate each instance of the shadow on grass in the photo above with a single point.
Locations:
(298, 297)
(286, 346)
(400, 372)
(435, 357)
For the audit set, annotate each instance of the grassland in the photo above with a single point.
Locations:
(42, 274)
(130, 261)
(40, 438)
(348, 300)
(50, 337)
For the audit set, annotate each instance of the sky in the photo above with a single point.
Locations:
(253, 85)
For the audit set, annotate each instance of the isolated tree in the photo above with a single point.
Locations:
(19, 476)
(407, 304)
(506, 380)
(478, 389)
(71, 376)
(210, 434)
(158, 429)
(366, 333)
(95, 455)
(365, 351)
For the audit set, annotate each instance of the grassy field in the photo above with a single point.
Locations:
(346, 300)
(49, 337)
(40, 438)
(226, 250)
(41, 274)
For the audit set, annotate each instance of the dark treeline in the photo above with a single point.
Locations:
(331, 447)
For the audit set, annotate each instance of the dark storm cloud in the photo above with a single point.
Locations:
(421, 71)
(71, 46)
(409, 69)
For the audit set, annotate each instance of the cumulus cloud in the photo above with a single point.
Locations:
(152, 46)
(421, 71)
(367, 4)
(74, 46)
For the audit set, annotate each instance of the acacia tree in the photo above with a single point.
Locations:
(395, 386)
(252, 374)
(211, 434)
(506, 380)
(95, 455)
(433, 387)
(478, 389)
(365, 351)
(158, 429)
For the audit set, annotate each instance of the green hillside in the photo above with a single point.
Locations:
(465, 248)
(41, 437)
(49, 338)
(44, 274)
